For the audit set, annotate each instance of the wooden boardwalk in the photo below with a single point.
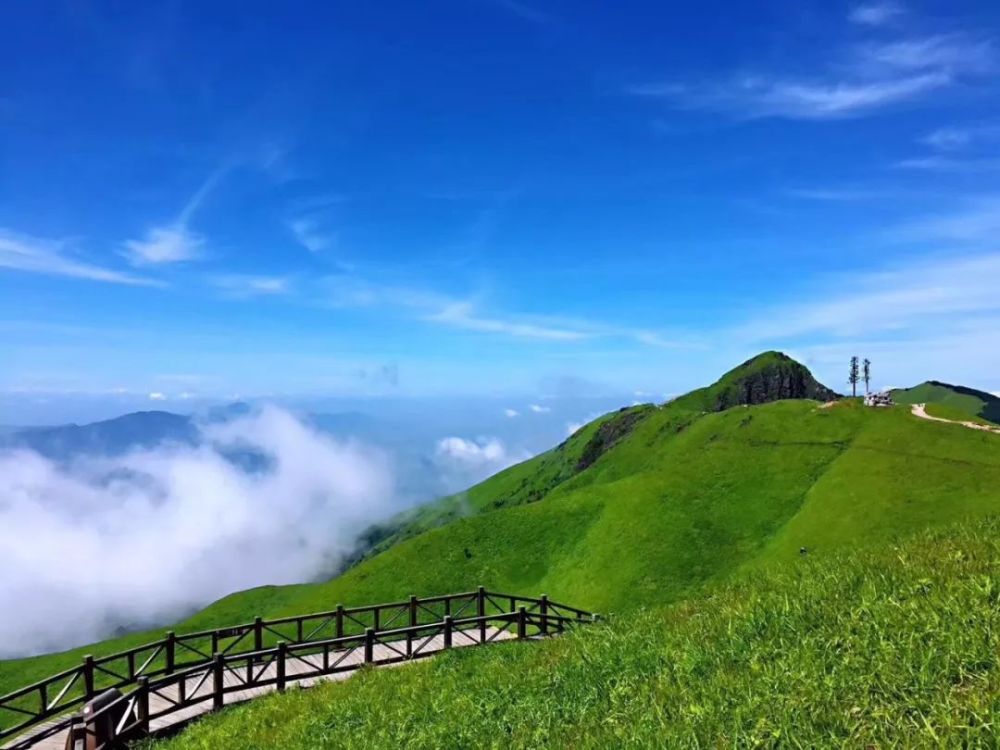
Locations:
(164, 683)
(199, 685)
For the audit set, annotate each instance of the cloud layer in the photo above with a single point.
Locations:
(464, 462)
(144, 538)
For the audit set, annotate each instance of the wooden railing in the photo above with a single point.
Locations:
(320, 642)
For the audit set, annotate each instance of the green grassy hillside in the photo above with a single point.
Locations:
(956, 398)
(768, 377)
(526, 482)
(684, 500)
(892, 647)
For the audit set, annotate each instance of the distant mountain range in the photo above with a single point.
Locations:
(144, 429)
(148, 429)
(411, 449)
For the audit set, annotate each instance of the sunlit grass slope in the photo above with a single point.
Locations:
(523, 483)
(769, 376)
(959, 400)
(684, 500)
(894, 646)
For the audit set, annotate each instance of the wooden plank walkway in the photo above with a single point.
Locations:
(199, 684)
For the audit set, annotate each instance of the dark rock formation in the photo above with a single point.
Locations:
(770, 377)
(609, 433)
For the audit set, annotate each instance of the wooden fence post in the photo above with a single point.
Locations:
(142, 704)
(481, 612)
(258, 634)
(544, 611)
(340, 621)
(88, 676)
(281, 666)
(218, 697)
(171, 649)
(522, 622)
(376, 618)
(413, 624)
(369, 645)
(448, 627)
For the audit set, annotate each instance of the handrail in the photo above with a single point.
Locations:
(57, 694)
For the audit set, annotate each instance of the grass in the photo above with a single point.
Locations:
(968, 402)
(684, 501)
(895, 646)
(955, 414)
(526, 482)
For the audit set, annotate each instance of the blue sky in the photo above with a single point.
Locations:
(490, 197)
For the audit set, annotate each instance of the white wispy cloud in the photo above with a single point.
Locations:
(958, 150)
(538, 409)
(175, 241)
(977, 221)
(157, 396)
(901, 299)
(469, 314)
(761, 96)
(308, 232)
(957, 54)
(961, 138)
(247, 285)
(948, 139)
(166, 244)
(28, 254)
(836, 194)
(511, 413)
(876, 14)
(464, 315)
(863, 79)
(946, 164)
(350, 290)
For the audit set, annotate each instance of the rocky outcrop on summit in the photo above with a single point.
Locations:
(771, 376)
(781, 377)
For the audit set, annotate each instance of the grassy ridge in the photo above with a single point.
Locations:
(523, 483)
(685, 500)
(957, 400)
(896, 647)
(768, 376)
(945, 411)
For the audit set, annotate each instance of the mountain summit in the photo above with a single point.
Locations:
(771, 376)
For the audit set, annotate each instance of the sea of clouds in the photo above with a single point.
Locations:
(95, 544)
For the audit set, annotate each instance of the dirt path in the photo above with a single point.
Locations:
(920, 410)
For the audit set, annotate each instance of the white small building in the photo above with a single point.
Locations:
(883, 398)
